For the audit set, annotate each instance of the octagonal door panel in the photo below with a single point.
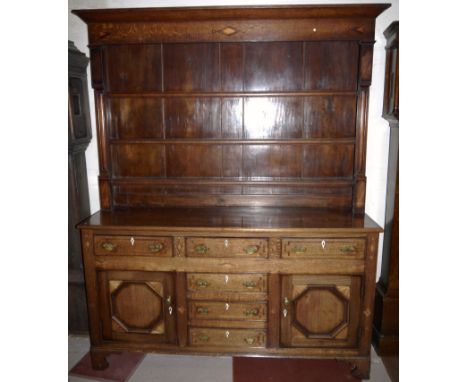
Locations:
(320, 311)
(137, 306)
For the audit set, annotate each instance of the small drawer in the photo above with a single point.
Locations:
(215, 310)
(227, 337)
(226, 247)
(133, 245)
(323, 247)
(226, 282)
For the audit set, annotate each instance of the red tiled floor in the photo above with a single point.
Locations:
(294, 370)
(121, 367)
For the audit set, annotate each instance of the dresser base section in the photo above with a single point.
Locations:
(310, 297)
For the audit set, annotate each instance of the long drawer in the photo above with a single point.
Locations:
(226, 247)
(323, 248)
(226, 282)
(227, 337)
(217, 310)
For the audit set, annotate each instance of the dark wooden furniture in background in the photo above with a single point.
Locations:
(385, 336)
(232, 148)
(79, 136)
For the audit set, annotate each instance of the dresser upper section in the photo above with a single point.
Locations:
(259, 106)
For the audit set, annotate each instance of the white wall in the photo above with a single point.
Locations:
(378, 131)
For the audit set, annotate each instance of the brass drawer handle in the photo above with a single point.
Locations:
(202, 283)
(204, 338)
(155, 247)
(109, 246)
(286, 301)
(252, 312)
(251, 249)
(201, 248)
(299, 249)
(202, 310)
(348, 248)
(249, 340)
(249, 284)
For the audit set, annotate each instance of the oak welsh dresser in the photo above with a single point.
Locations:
(232, 152)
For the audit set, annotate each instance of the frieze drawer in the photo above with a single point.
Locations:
(226, 247)
(227, 337)
(133, 245)
(226, 282)
(323, 248)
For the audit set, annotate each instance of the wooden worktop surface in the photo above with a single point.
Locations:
(230, 218)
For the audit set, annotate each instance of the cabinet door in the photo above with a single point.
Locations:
(320, 311)
(137, 306)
